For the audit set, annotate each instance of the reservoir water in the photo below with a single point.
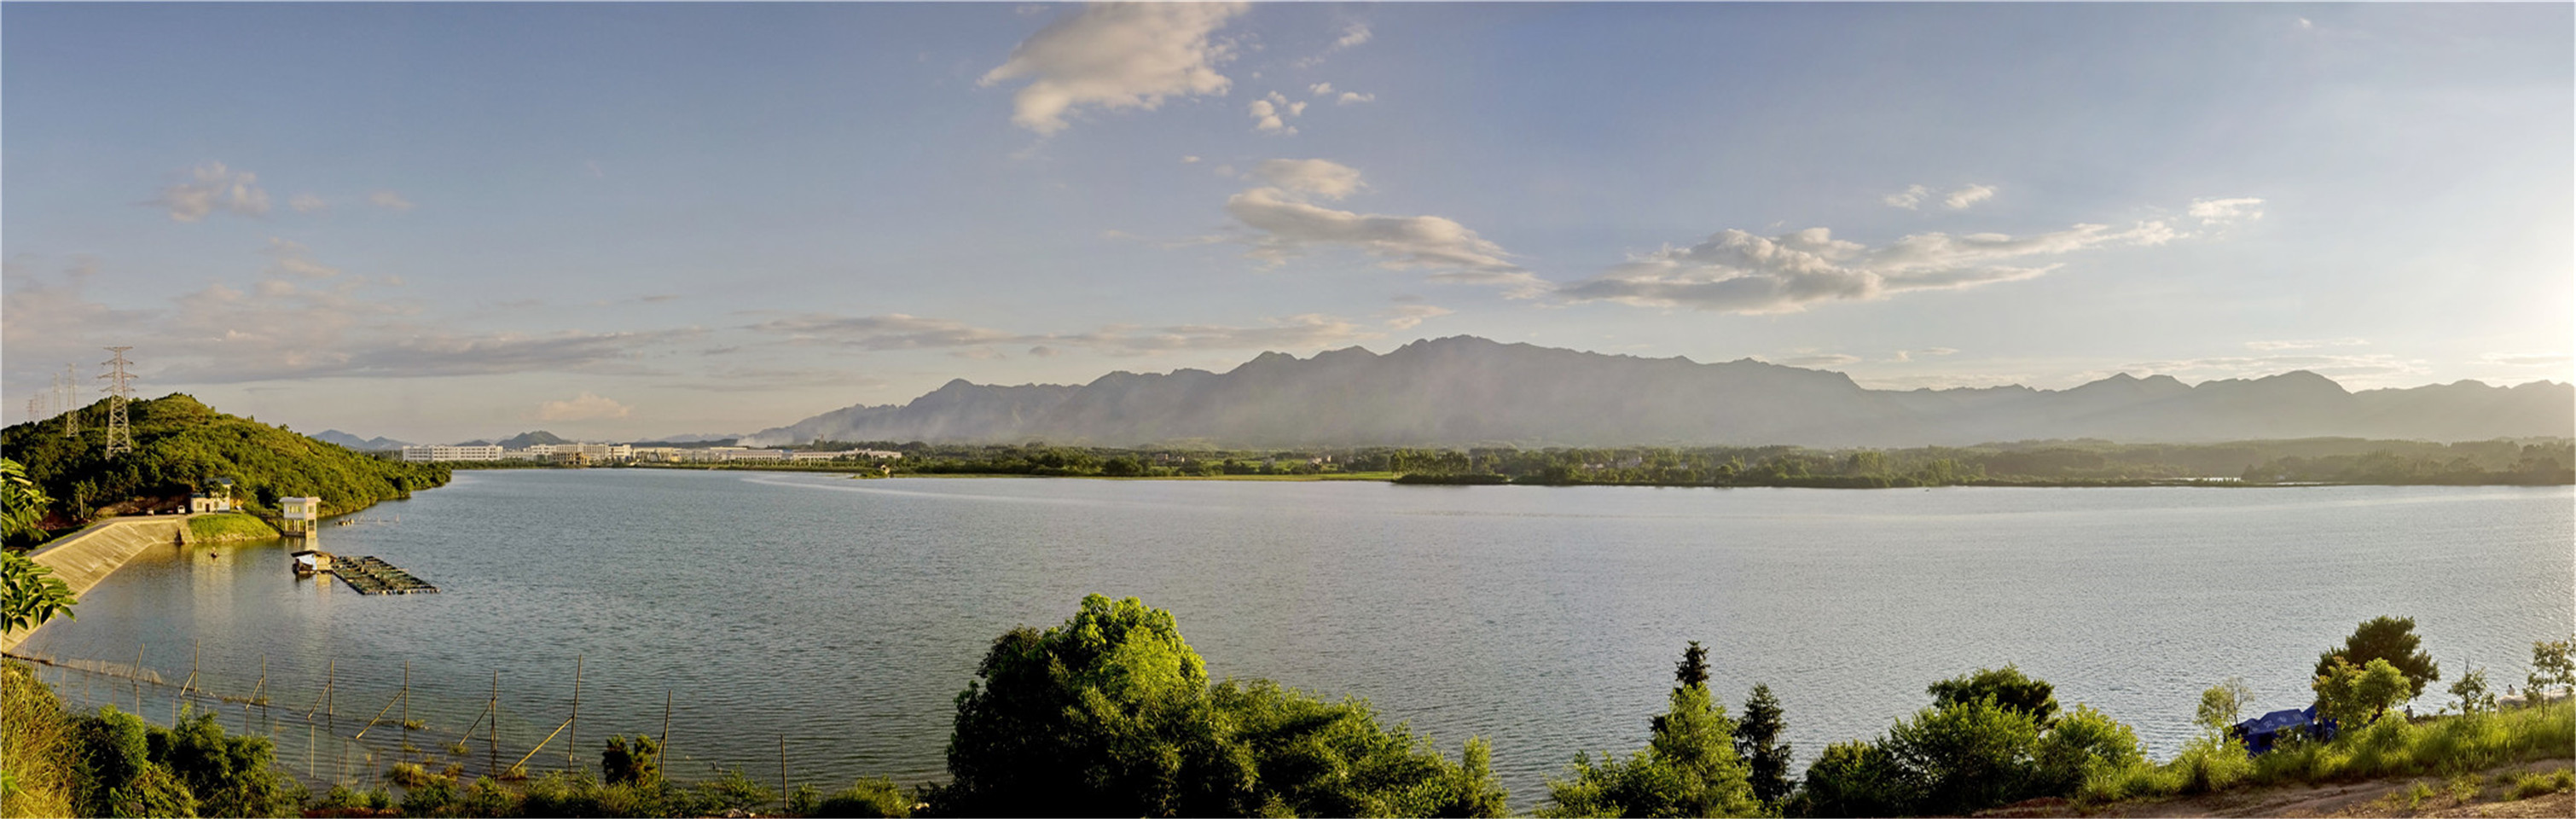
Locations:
(843, 616)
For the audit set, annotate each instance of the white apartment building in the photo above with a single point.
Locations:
(450, 452)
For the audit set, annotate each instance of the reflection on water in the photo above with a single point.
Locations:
(842, 617)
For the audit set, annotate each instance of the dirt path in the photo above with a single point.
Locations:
(2486, 793)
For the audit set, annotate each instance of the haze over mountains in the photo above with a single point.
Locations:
(1466, 390)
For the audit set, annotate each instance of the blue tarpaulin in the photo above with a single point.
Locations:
(2260, 732)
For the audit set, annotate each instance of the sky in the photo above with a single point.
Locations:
(437, 222)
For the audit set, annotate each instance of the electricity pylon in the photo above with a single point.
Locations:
(120, 437)
(71, 406)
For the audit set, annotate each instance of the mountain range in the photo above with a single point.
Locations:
(1465, 390)
(333, 436)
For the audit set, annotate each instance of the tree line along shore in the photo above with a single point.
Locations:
(1112, 713)
(2301, 462)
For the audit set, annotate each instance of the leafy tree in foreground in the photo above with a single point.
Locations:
(2355, 696)
(2223, 705)
(2386, 638)
(1688, 768)
(1757, 740)
(2553, 662)
(2473, 692)
(2007, 686)
(1111, 714)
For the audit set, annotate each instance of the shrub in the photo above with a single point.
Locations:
(865, 798)
(1111, 713)
(38, 753)
(625, 762)
(2535, 784)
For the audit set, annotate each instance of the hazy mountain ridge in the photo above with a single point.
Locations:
(1468, 390)
(361, 444)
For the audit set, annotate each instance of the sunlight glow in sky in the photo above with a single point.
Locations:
(445, 221)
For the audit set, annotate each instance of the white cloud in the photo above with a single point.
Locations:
(1113, 56)
(1815, 359)
(1321, 88)
(1349, 97)
(213, 187)
(2304, 344)
(1408, 316)
(389, 200)
(1189, 160)
(1286, 225)
(2223, 211)
(1739, 272)
(308, 203)
(1908, 198)
(904, 332)
(1321, 177)
(586, 407)
(292, 259)
(1962, 198)
(1270, 114)
(1904, 356)
(1356, 34)
(2528, 359)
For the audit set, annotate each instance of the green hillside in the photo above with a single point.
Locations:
(183, 446)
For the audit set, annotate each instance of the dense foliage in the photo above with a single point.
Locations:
(2333, 460)
(130, 768)
(2385, 638)
(1112, 714)
(1689, 766)
(183, 446)
(1990, 738)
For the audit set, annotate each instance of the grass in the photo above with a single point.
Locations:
(2539, 784)
(229, 527)
(36, 746)
(2392, 747)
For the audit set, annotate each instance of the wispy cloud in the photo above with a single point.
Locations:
(1113, 56)
(213, 188)
(389, 200)
(897, 331)
(2304, 344)
(1353, 35)
(585, 407)
(2528, 359)
(1739, 272)
(1286, 223)
(2217, 212)
(1962, 198)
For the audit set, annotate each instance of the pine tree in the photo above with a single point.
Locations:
(1757, 739)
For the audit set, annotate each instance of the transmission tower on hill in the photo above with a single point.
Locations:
(63, 391)
(120, 437)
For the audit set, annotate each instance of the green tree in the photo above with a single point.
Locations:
(2007, 686)
(1757, 740)
(2354, 696)
(2223, 705)
(1855, 778)
(1963, 756)
(1111, 714)
(2553, 662)
(2386, 638)
(22, 504)
(30, 595)
(1688, 768)
(626, 762)
(2473, 692)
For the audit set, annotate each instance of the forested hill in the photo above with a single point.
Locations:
(182, 445)
(1466, 391)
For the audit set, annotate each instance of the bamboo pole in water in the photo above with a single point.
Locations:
(575, 722)
(492, 739)
(664, 745)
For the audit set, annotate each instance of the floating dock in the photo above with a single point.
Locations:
(372, 576)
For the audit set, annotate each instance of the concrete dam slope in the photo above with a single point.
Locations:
(90, 555)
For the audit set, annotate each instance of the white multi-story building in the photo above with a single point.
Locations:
(450, 452)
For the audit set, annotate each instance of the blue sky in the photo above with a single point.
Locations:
(445, 221)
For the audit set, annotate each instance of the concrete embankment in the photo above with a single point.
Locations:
(88, 556)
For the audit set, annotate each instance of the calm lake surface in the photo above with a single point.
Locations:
(845, 615)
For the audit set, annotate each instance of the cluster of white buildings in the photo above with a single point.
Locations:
(611, 453)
